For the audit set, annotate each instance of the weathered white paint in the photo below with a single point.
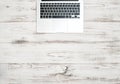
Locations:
(34, 73)
(92, 57)
(25, 10)
(99, 43)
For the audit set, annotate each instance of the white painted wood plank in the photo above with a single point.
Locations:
(99, 43)
(12, 11)
(25, 10)
(60, 73)
(94, 32)
(60, 53)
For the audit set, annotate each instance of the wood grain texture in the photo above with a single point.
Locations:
(27, 57)
(34, 73)
(25, 10)
(19, 33)
(99, 43)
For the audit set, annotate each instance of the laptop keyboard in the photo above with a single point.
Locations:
(59, 10)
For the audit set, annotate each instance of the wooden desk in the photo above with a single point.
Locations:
(92, 57)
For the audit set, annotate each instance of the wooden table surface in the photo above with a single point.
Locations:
(27, 57)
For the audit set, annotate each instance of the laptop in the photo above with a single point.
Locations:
(59, 16)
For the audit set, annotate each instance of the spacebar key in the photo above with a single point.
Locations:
(58, 16)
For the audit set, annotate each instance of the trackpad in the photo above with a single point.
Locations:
(59, 25)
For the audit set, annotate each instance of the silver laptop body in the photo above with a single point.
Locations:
(59, 16)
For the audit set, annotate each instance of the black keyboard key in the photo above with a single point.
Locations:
(58, 16)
